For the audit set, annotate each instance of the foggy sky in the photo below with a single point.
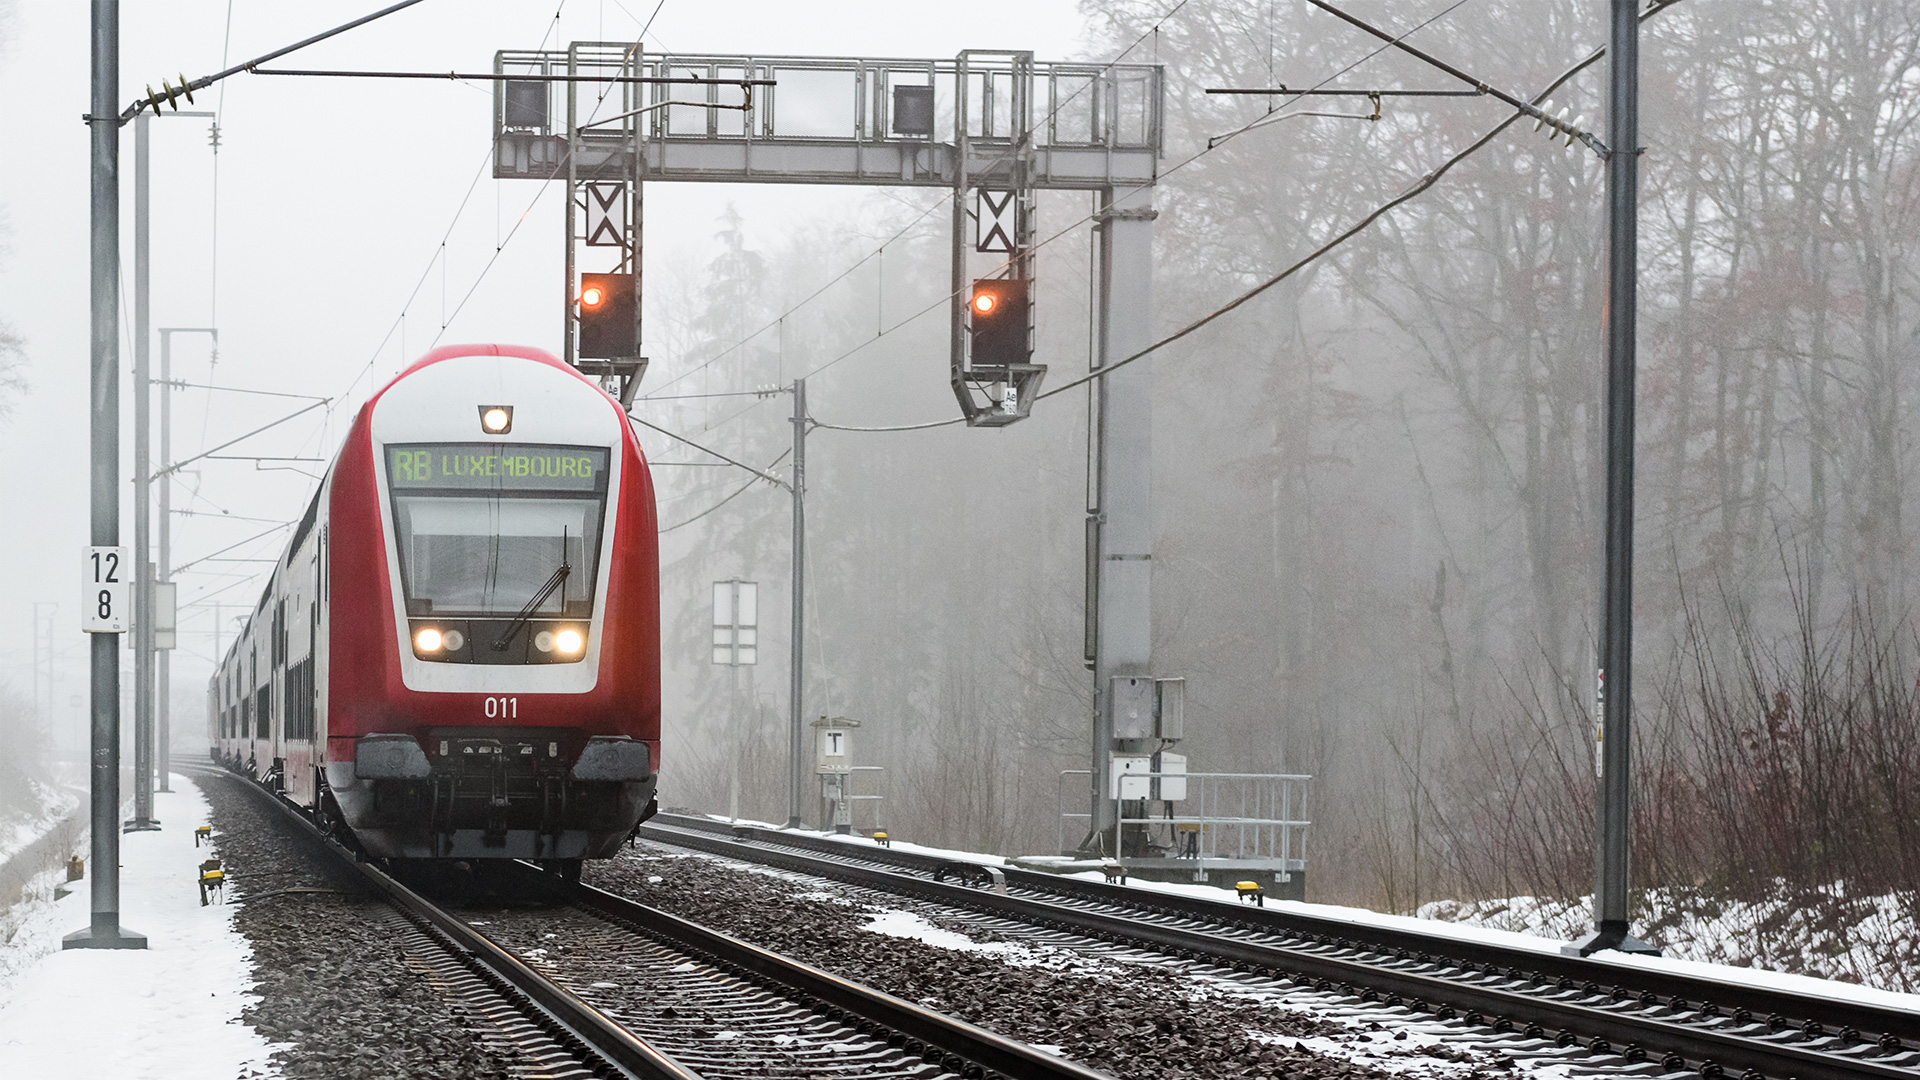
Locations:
(333, 199)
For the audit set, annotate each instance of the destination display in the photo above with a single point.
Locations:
(496, 467)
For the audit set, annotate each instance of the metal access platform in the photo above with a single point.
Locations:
(1229, 827)
(827, 120)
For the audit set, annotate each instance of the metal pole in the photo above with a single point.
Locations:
(1614, 684)
(796, 744)
(142, 484)
(163, 659)
(104, 930)
(569, 328)
(1123, 607)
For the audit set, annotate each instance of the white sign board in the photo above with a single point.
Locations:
(606, 208)
(994, 213)
(833, 751)
(165, 611)
(736, 634)
(104, 598)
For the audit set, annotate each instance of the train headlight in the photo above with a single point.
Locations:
(496, 419)
(569, 642)
(454, 640)
(543, 641)
(428, 640)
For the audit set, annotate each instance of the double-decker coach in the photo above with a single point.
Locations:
(458, 654)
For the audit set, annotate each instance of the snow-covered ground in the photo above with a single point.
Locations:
(167, 1012)
(1784, 944)
(1836, 938)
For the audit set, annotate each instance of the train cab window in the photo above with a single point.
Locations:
(490, 531)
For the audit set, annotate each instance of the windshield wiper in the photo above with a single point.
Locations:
(526, 613)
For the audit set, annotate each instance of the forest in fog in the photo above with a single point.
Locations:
(1376, 486)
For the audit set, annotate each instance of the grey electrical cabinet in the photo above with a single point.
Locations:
(1170, 709)
(1132, 698)
(1148, 708)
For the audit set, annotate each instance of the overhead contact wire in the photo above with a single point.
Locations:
(1069, 228)
(1064, 102)
(1420, 186)
(1426, 182)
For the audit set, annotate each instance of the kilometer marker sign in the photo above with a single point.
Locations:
(104, 596)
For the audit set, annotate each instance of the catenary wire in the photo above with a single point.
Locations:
(439, 250)
(706, 450)
(1212, 145)
(917, 219)
(522, 220)
(736, 493)
(1423, 184)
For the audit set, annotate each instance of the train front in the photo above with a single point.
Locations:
(494, 647)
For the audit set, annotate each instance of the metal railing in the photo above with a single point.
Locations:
(847, 99)
(1238, 816)
(871, 799)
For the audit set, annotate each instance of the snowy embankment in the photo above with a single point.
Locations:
(17, 834)
(1872, 941)
(56, 803)
(34, 848)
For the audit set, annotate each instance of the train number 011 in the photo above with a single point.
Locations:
(503, 708)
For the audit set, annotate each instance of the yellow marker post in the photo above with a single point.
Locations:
(215, 882)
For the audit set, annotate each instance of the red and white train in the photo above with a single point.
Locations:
(458, 655)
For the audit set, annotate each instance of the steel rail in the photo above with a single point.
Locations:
(1830, 1012)
(595, 1031)
(549, 1005)
(1008, 1057)
(1514, 1000)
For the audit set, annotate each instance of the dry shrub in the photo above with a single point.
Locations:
(1762, 769)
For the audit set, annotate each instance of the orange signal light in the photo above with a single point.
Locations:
(984, 302)
(592, 296)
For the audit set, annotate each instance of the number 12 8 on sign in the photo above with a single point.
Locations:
(103, 590)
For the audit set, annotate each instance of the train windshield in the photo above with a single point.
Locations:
(485, 529)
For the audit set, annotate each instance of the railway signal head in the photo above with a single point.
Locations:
(609, 329)
(997, 314)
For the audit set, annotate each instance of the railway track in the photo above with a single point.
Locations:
(1632, 1018)
(597, 985)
